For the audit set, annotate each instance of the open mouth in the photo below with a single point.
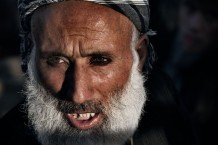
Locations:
(85, 120)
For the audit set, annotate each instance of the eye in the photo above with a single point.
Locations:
(100, 60)
(57, 60)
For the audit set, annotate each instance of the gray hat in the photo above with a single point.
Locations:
(136, 10)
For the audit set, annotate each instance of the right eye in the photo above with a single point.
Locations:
(100, 60)
(58, 60)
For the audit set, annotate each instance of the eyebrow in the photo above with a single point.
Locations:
(97, 53)
(47, 54)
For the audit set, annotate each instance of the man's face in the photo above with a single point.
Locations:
(198, 27)
(84, 81)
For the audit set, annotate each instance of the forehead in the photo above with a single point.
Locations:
(73, 20)
(71, 14)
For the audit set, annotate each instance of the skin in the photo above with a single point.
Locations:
(83, 50)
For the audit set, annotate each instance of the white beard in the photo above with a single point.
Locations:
(123, 115)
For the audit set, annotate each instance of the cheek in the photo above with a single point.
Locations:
(50, 79)
(114, 80)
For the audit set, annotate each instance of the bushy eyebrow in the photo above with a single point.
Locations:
(98, 53)
(47, 54)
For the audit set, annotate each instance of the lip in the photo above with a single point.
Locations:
(85, 124)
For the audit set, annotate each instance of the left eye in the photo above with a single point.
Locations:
(100, 60)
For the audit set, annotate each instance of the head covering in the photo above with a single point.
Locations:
(136, 10)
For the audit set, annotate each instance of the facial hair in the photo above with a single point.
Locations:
(123, 112)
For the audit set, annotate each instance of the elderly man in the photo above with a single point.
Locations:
(85, 84)
(84, 62)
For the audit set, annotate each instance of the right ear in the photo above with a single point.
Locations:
(142, 50)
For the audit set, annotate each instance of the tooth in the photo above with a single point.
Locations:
(88, 115)
(80, 115)
(75, 115)
(92, 114)
(84, 116)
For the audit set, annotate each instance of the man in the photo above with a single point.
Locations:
(191, 65)
(85, 85)
(84, 62)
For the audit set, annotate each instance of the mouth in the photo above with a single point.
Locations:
(85, 121)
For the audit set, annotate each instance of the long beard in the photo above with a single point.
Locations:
(123, 112)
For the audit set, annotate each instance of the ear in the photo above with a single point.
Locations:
(142, 50)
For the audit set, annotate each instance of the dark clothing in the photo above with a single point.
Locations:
(194, 74)
(199, 95)
(163, 121)
(14, 128)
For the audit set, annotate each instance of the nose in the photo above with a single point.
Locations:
(79, 88)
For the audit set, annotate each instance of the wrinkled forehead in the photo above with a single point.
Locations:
(80, 13)
(69, 19)
(136, 10)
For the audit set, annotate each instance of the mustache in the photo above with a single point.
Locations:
(88, 106)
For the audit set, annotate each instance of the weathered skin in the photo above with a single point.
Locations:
(84, 54)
